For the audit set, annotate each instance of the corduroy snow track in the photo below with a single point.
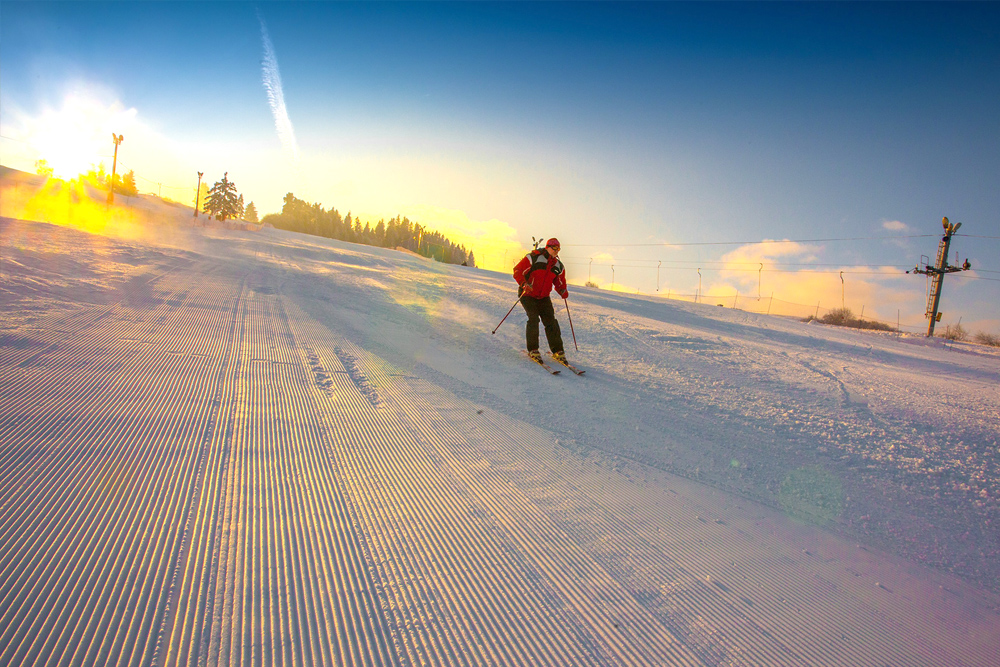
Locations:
(221, 466)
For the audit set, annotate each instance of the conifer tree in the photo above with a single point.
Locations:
(126, 185)
(222, 202)
(300, 216)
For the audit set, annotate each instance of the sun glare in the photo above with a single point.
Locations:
(78, 136)
(493, 242)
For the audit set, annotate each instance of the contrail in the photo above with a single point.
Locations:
(275, 95)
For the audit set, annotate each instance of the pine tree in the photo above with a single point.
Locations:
(251, 213)
(222, 202)
(126, 184)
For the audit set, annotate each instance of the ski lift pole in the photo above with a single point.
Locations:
(508, 313)
(570, 317)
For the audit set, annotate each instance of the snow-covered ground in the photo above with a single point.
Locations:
(262, 447)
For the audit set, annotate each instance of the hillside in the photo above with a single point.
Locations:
(266, 447)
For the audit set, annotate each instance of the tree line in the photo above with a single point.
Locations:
(124, 184)
(399, 232)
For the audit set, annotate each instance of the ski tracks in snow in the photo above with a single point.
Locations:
(203, 474)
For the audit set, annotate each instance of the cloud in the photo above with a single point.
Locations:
(276, 95)
(767, 253)
(894, 226)
(758, 270)
(604, 258)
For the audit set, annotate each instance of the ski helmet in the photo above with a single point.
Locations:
(552, 243)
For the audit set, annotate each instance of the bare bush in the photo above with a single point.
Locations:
(955, 332)
(984, 338)
(591, 283)
(842, 317)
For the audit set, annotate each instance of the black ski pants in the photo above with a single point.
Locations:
(541, 309)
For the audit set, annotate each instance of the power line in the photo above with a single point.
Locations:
(701, 243)
(702, 263)
(971, 277)
(159, 183)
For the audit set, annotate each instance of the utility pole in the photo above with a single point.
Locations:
(197, 194)
(117, 138)
(937, 272)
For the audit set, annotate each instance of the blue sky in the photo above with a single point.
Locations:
(607, 125)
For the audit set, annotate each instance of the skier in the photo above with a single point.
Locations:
(537, 274)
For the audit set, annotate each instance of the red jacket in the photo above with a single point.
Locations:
(538, 273)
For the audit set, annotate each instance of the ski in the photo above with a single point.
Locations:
(569, 366)
(554, 371)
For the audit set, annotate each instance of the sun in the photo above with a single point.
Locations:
(76, 137)
(67, 154)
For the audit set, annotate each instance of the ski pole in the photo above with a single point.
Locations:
(571, 325)
(508, 313)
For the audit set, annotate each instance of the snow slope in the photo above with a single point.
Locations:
(268, 448)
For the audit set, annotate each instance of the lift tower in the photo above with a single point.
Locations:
(937, 272)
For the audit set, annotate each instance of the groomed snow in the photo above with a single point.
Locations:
(239, 447)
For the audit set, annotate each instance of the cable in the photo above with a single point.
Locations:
(702, 266)
(158, 183)
(769, 270)
(968, 277)
(665, 243)
(696, 263)
(20, 141)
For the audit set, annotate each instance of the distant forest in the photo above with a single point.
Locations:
(300, 216)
